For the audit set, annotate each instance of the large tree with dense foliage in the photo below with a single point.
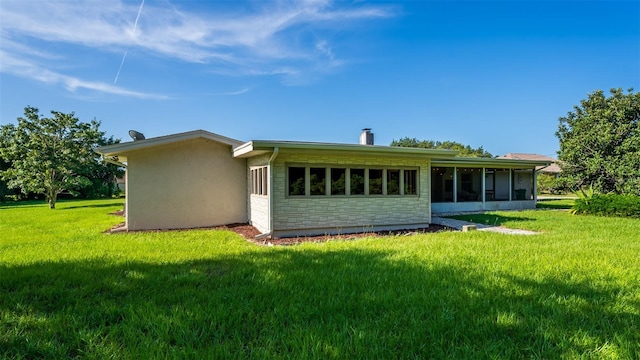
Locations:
(600, 143)
(51, 155)
(463, 150)
(4, 164)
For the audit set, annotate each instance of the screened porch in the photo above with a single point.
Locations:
(476, 188)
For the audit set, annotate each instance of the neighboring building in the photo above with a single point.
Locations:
(121, 181)
(286, 188)
(551, 169)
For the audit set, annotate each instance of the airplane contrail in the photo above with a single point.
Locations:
(135, 26)
(120, 68)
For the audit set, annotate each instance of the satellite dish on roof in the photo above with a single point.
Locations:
(135, 135)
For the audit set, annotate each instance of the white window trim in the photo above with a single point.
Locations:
(259, 179)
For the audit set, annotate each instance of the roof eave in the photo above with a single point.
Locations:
(257, 147)
(492, 162)
(117, 149)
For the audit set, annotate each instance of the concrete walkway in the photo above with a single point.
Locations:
(458, 224)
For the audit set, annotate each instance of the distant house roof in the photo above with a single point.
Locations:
(553, 168)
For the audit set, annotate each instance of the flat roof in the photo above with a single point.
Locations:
(258, 147)
(438, 157)
(487, 162)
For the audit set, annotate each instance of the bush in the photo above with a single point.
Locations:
(608, 205)
(549, 184)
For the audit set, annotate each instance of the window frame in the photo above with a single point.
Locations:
(343, 173)
(389, 176)
(305, 179)
(404, 179)
(401, 170)
(259, 180)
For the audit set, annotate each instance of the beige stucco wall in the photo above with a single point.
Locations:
(335, 214)
(187, 184)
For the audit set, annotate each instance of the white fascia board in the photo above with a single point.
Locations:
(243, 149)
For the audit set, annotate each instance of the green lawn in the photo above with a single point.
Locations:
(69, 290)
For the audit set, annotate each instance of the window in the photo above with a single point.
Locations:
(338, 181)
(410, 182)
(296, 181)
(357, 181)
(259, 181)
(317, 181)
(375, 181)
(327, 181)
(393, 182)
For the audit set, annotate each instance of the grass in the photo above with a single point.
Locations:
(71, 291)
(556, 204)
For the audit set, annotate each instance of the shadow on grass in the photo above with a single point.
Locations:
(23, 203)
(87, 206)
(490, 218)
(302, 304)
(555, 204)
(60, 204)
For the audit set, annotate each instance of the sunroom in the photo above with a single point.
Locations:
(478, 184)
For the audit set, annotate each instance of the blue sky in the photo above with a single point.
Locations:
(493, 74)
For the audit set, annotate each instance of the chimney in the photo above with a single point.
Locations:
(366, 137)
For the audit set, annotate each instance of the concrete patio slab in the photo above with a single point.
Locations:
(459, 224)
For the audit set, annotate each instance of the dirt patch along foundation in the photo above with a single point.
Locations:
(250, 233)
(353, 236)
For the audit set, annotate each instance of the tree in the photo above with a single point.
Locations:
(600, 143)
(4, 163)
(547, 183)
(464, 150)
(102, 175)
(50, 155)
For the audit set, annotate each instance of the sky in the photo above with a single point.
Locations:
(496, 74)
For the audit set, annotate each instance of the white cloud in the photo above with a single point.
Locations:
(243, 38)
(73, 84)
(323, 47)
(22, 67)
(233, 93)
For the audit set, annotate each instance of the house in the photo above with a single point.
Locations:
(121, 182)
(552, 169)
(289, 188)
